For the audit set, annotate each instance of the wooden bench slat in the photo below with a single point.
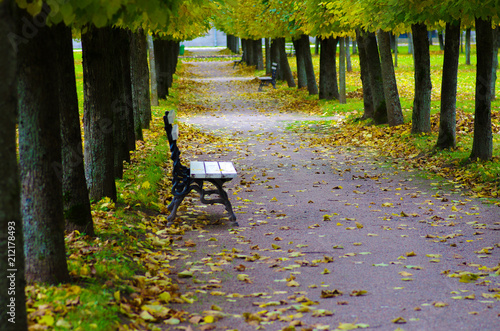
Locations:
(208, 169)
(197, 169)
(227, 169)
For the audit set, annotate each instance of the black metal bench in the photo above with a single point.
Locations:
(265, 80)
(185, 179)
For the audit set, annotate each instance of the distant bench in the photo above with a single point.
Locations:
(184, 179)
(237, 62)
(265, 80)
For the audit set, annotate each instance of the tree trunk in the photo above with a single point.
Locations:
(172, 57)
(328, 87)
(284, 67)
(275, 57)
(369, 110)
(467, 46)
(12, 282)
(39, 151)
(301, 67)
(121, 96)
(140, 83)
(259, 59)
(447, 119)
(348, 54)
(394, 111)
(75, 194)
(98, 116)
(354, 46)
(312, 87)
(268, 56)
(421, 116)
(152, 72)
(494, 65)
(482, 145)
(376, 82)
(342, 87)
(441, 40)
(160, 47)
(316, 45)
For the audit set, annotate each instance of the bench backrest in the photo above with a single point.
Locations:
(180, 173)
(274, 68)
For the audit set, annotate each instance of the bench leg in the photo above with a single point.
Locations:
(224, 199)
(172, 207)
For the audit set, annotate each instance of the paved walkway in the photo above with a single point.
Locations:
(329, 237)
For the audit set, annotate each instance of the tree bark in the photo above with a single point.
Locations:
(447, 119)
(13, 299)
(369, 109)
(441, 40)
(342, 87)
(301, 67)
(482, 144)
(376, 82)
(494, 65)
(268, 56)
(152, 72)
(72, 173)
(121, 100)
(328, 87)
(421, 116)
(394, 111)
(348, 54)
(467, 46)
(284, 67)
(172, 57)
(98, 116)
(259, 59)
(312, 87)
(275, 57)
(161, 65)
(140, 83)
(39, 151)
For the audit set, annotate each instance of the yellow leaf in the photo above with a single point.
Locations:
(46, 320)
(146, 185)
(146, 316)
(209, 319)
(116, 295)
(359, 225)
(399, 320)
(274, 199)
(412, 253)
(347, 326)
(405, 274)
(292, 283)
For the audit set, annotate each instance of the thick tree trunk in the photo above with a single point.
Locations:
(152, 72)
(268, 56)
(447, 119)
(467, 46)
(74, 186)
(342, 83)
(441, 40)
(161, 65)
(284, 67)
(394, 111)
(482, 145)
(328, 87)
(172, 57)
(275, 57)
(301, 67)
(348, 54)
(312, 87)
(365, 78)
(140, 83)
(12, 282)
(259, 58)
(421, 116)
(121, 104)
(376, 82)
(39, 151)
(494, 65)
(98, 115)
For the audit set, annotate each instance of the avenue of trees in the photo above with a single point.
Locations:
(371, 23)
(48, 186)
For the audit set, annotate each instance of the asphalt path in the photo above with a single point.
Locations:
(329, 237)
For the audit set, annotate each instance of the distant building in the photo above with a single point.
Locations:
(213, 38)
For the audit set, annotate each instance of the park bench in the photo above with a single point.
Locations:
(185, 179)
(265, 80)
(237, 62)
